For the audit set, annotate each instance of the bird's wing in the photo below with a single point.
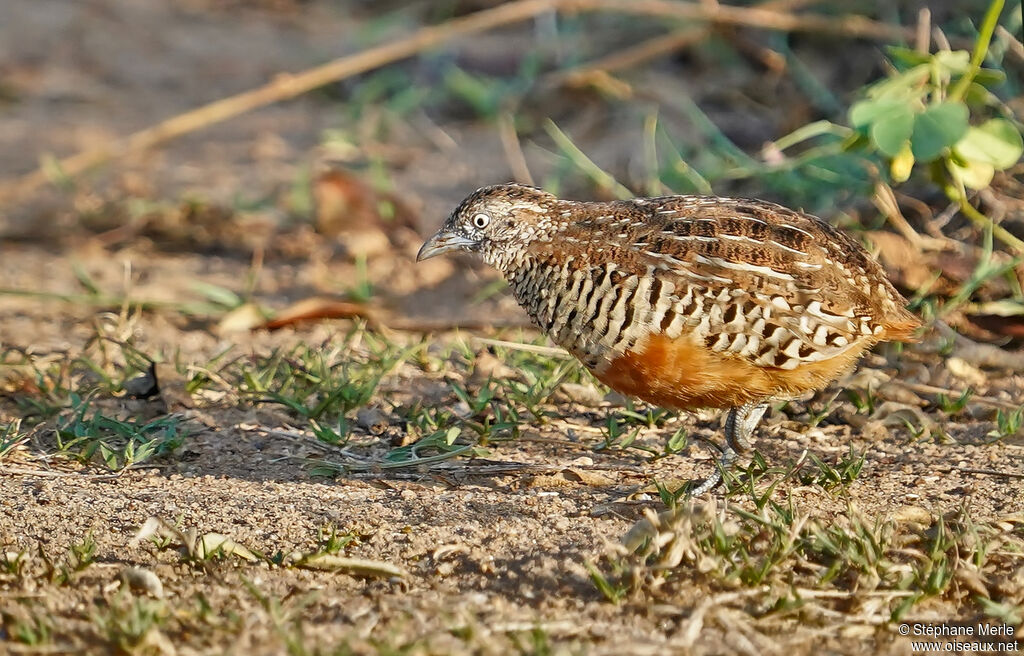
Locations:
(755, 280)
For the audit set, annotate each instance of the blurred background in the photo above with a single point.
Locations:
(327, 188)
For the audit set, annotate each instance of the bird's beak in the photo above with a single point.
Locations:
(443, 242)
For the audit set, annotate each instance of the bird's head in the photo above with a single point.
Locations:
(495, 221)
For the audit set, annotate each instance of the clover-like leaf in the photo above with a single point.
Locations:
(996, 142)
(907, 56)
(954, 61)
(891, 132)
(865, 112)
(938, 127)
(988, 77)
(973, 174)
(908, 85)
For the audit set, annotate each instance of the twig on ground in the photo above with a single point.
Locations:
(852, 26)
(45, 473)
(550, 351)
(982, 355)
(364, 465)
(932, 389)
(653, 48)
(990, 472)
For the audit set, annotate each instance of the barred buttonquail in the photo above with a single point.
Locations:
(686, 301)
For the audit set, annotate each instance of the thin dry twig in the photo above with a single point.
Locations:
(513, 149)
(549, 351)
(922, 388)
(287, 86)
(923, 40)
(629, 57)
(991, 472)
(45, 473)
(1016, 47)
(659, 46)
(884, 199)
(851, 26)
(982, 355)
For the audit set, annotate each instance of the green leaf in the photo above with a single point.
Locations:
(938, 127)
(996, 142)
(866, 112)
(907, 85)
(979, 96)
(891, 132)
(908, 56)
(973, 174)
(989, 77)
(954, 61)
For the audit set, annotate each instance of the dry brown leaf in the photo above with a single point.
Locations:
(315, 309)
(968, 576)
(348, 206)
(911, 268)
(1006, 326)
(590, 478)
(907, 265)
(900, 415)
(213, 543)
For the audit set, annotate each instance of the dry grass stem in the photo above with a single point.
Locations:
(513, 149)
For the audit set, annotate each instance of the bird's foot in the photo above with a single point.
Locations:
(739, 428)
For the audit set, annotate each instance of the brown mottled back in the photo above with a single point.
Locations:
(688, 300)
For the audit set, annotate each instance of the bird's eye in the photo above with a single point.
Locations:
(481, 220)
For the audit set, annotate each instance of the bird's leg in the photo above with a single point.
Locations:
(741, 424)
(739, 428)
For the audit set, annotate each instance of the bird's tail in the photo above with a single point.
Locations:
(906, 328)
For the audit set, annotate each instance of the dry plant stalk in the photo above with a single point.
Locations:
(657, 47)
